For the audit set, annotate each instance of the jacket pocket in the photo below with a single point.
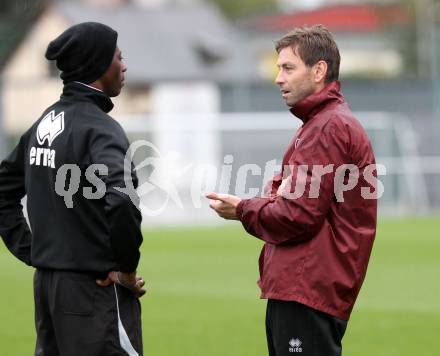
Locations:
(77, 297)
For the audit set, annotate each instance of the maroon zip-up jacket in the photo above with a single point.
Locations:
(318, 246)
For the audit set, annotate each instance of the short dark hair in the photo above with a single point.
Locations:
(313, 44)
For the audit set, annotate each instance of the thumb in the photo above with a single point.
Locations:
(104, 282)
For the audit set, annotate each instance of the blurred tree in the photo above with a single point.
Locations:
(407, 39)
(16, 17)
(421, 45)
(419, 41)
(234, 9)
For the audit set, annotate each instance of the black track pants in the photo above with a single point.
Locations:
(76, 317)
(295, 329)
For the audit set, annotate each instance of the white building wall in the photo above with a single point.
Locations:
(200, 104)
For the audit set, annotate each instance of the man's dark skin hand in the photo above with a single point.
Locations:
(127, 280)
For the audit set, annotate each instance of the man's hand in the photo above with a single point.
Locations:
(127, 280)
(225, 205)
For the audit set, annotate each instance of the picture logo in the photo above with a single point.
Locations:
(164, 174)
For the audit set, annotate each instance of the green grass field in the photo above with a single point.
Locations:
(203, 299)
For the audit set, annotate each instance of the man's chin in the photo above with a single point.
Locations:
(115, 92)
(289, 103)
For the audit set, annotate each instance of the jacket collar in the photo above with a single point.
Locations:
(307, 107)
(76, 91)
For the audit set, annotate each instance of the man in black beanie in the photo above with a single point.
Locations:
(84, 234)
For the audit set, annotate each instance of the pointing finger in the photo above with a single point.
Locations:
(212, 195)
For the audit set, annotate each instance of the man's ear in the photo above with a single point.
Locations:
(320, 71)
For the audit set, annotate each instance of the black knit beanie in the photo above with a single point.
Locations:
(83, 52)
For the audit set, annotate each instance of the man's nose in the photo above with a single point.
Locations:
(279, 79)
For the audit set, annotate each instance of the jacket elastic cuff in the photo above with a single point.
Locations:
(127, 267)
(239, 209)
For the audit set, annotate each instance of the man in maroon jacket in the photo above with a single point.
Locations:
(318, 219)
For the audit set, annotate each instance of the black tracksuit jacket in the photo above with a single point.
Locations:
(90, 235)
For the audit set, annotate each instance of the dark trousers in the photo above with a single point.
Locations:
(76, 317)
(295, 329)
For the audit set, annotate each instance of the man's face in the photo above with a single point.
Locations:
(294, 78)
(113, 79)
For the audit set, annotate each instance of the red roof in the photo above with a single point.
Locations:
(339, 18)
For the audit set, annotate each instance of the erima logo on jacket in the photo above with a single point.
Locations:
(49, 128)
(295, 345)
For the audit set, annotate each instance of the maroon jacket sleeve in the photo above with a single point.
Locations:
(271, 187)
(278, 219)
